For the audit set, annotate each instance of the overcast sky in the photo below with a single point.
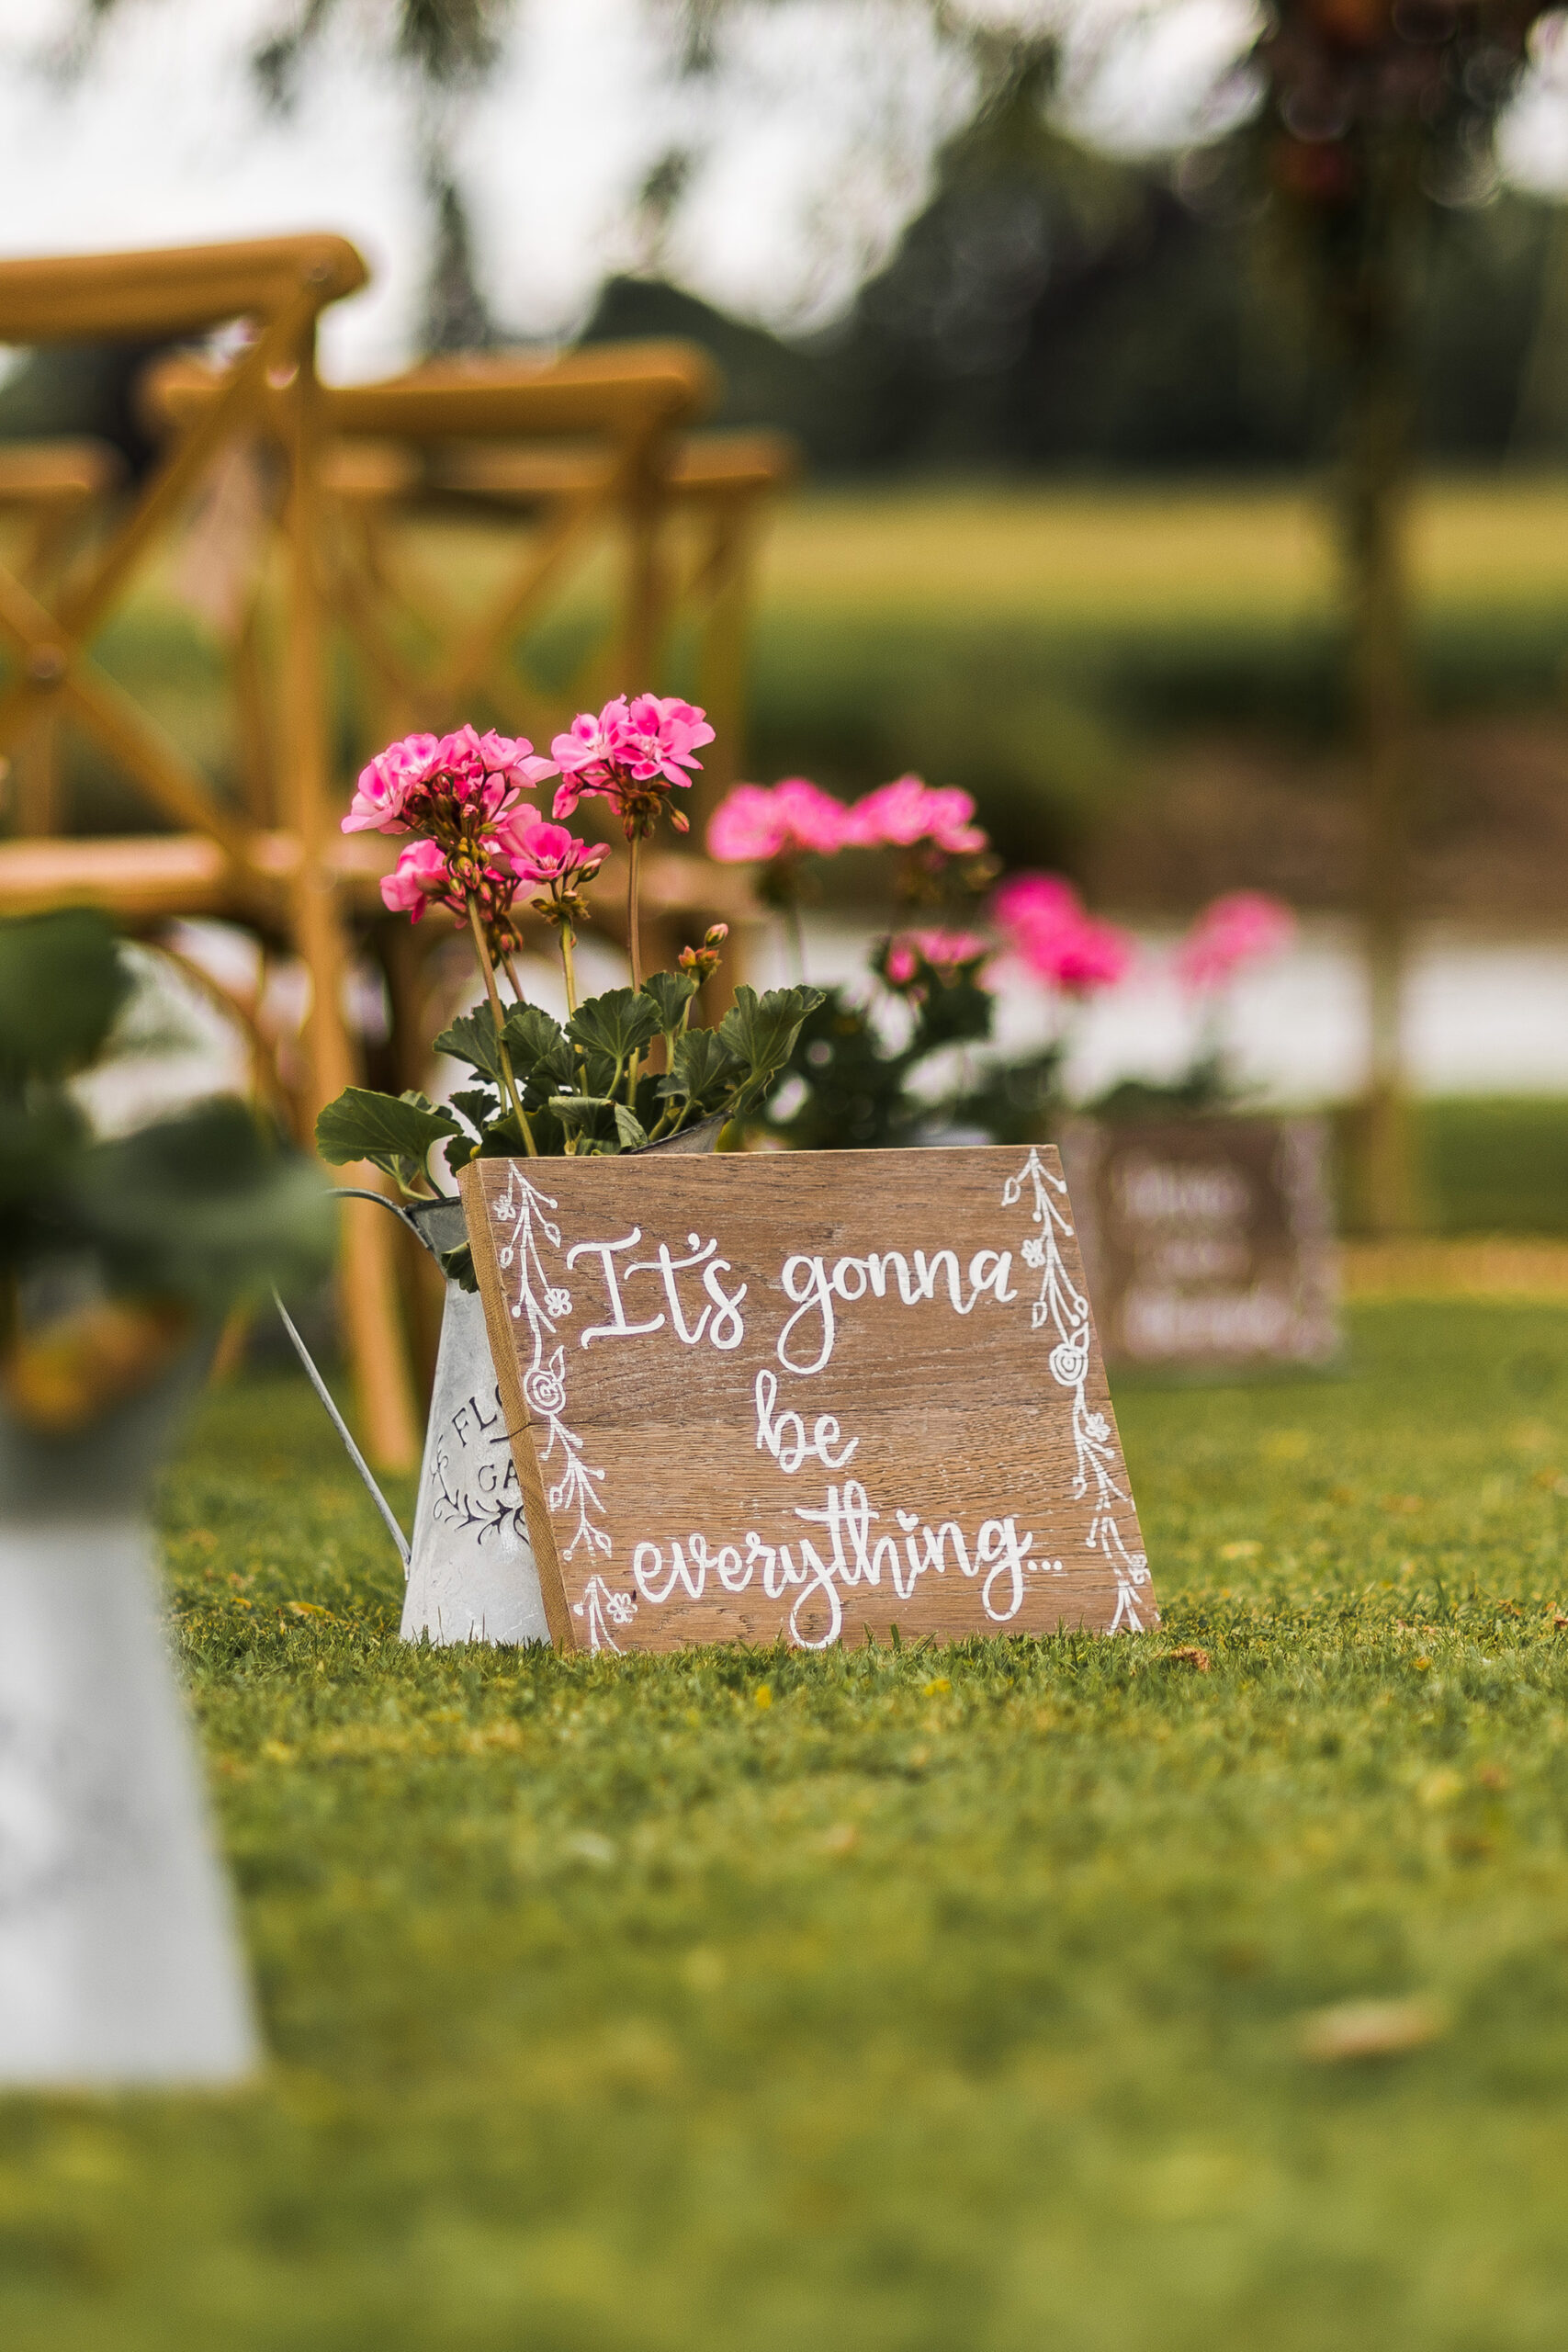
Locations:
(813, 142)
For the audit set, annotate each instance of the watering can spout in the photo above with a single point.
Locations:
(330, 1405)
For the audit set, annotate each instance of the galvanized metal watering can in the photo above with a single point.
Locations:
(471, 1568)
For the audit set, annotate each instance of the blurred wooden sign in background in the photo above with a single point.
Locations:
(1208, 1242)
(805, 1395)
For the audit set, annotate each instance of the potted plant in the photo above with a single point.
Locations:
(631, 1069)
(913, 1058)
(119, 1257)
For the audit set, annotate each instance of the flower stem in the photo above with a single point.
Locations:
(795, 934)
(488, 969)
(511, 976)
(634, 939)
(568, 942)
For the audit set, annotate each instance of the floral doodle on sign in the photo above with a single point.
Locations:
(1062, 1307)
(602, 1608)
(545, 1305)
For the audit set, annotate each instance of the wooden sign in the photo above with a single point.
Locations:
(1208, 1242)
(805, 1396)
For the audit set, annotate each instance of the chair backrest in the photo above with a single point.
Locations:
(616, 391)
(169, 291)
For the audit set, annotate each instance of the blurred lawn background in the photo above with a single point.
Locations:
(1031, 642)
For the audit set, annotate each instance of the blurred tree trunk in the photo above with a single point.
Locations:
(1373, 501)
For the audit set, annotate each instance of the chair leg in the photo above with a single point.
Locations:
(368, 1277)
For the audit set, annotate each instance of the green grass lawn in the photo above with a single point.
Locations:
(883, 2000)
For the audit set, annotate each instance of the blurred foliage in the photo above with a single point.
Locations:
(1027, 323)
(1001, 711)
(1045, 723)
(201, 1209)
(855, 1091)
(62, 983)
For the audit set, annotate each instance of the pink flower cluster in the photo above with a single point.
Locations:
(489, 771)
(947, 952)
(1047, 926)
(461, 797)
(631, 752)
(1238, 928)
(797, 819)
(793, 819)
(898, 815)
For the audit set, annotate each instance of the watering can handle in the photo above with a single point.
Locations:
(350, 1193)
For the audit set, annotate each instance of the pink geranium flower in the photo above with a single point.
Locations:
(1045, 923)
(515, 758)
(747, 825)
(662, 736)
(1238, 928)
(814, 822)
(1036, 902)
(396, 791)
(898, 815)
(797, 818)
(589, 751)
(420, 879)
(542, 854)
(1088, 956)
(946, 951)
(460, 760)
(631, 752)
(950, 822)
(385, 783)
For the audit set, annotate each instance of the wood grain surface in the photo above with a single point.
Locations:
(806, 1395)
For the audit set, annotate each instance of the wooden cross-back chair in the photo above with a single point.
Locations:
(54, 490)
(290, 878)
(598, 428)
(590, 448)
(577, 454)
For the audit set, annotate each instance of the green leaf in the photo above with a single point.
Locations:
(472, 1039)
(206, 1207)
(705, 1069)
(616, 1024)
(393, 1132)
(62, 984)
(477, 1105)
(604, 1126)
(671, 992)
(457, 1265)
(761, 1033)
(539, 1048)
